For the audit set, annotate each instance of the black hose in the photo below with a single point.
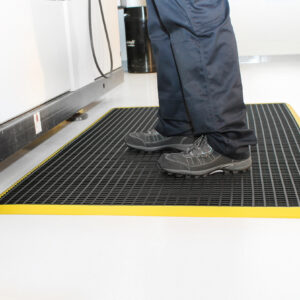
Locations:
(92, 39)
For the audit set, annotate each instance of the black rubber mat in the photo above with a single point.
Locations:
(98, 169)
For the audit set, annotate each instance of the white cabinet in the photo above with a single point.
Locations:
(33, 55)
(82, 65)
(45, 50)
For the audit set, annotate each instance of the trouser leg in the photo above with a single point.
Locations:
(205, 51)
(172, 115)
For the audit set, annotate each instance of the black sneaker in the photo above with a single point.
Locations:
(152, 140)
(201, 160)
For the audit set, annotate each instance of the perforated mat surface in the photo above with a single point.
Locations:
(98, 169)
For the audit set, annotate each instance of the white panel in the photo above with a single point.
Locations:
(82, 64)
(266, 27)
(122, 35)
(33, 55)
(133, 3)
(111, 16)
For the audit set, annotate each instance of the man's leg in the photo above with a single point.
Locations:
(172, 116)
(205, 51)
(173, 129)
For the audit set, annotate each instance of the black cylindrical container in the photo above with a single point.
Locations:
(139, 51)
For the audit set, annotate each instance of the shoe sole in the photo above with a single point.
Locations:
(178, 147)
(232, 168)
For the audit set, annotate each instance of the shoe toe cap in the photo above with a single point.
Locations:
(172, 161)
(133, 139)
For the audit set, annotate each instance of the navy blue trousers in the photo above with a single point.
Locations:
(199, 81)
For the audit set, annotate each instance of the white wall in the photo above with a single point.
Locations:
(266, 27)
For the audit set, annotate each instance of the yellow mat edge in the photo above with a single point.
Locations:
(153, 211)
(168, 211)
(294, 114)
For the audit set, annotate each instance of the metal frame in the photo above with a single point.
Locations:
(19, 132)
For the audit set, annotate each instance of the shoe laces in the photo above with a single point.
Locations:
(200, 148)
(152, 132)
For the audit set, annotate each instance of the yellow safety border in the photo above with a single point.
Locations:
(140, 210)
